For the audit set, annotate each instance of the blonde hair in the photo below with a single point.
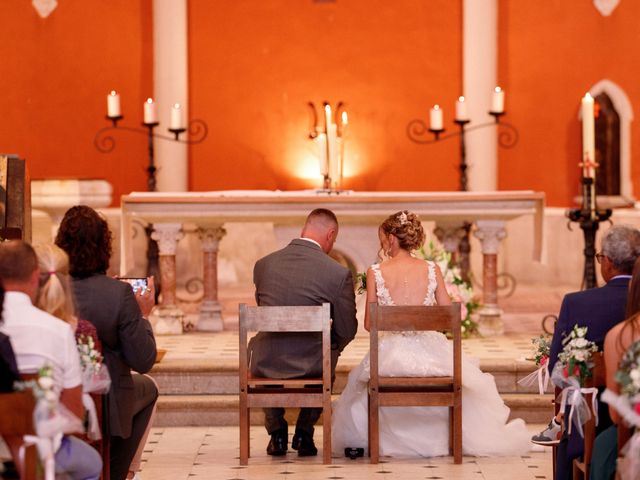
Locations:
(55, 295)
(407, 228)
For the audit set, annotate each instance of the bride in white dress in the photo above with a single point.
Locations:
(420, 431)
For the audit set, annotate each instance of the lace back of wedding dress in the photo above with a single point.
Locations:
(382, 292)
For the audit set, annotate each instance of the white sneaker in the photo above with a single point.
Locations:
(549, 436)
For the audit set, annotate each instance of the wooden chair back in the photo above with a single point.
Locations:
(16, 421)
(597, 379)
(263, 392)
(415, 391)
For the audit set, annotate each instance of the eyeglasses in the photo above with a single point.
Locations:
(599, 257)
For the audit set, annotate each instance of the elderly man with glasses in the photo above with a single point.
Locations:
(599, 309)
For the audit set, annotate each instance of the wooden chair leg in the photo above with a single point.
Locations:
(244, 431)
(326, 432)
(457, 434)
(374, 429)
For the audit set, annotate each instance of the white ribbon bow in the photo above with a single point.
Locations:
(579, 413)
(541, 375)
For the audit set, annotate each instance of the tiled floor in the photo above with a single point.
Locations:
(212, 453)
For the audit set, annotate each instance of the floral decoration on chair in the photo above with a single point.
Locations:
(570, 372)
(541, 358)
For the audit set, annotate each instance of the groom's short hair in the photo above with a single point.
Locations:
(323, 216)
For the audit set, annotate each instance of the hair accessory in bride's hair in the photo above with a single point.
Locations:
(402, 217)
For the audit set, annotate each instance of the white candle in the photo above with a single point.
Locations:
(177, 121)
(461, 110)
(588, 137)
(435, 118)
(113, 104)
(497, 102)
(334, 163)
(150, 111)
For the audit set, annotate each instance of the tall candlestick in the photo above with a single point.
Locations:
(497, 101)
(327, 125)
(177, 117)
(462, 114)
(150, 111)
(113, 104)
(588, 137)
(435, 118)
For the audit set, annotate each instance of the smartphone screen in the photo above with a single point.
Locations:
(137, 284)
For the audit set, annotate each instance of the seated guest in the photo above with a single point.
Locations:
(40, 339)
(8, 367)
(55, 295)
(599, 309)
(616, 343)
(120, 319)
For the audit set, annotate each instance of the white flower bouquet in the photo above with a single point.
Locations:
(95, 376)
(570, 372)
(457, 288)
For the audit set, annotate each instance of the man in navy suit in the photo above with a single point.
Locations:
(599, 309)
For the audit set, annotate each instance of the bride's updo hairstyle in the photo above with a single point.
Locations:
(407, 228)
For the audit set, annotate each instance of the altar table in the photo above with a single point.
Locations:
(357, 212)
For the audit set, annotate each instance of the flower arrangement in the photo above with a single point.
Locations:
(543, 347)
(95, 376)
(541, 357)
(90, 358)
(576, 354)
(628, 376)
(458, 289)
(42, 388)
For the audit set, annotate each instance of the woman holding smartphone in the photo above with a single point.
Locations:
(120, 317)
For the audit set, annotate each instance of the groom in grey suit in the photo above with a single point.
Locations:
(302, 274)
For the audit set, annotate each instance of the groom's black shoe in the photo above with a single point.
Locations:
(303, 443)
(278, 443)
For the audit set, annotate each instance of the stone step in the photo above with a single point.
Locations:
(203, 378)
(222, 410)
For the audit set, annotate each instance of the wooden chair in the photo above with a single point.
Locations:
(16, 420)
(416, 391)
(102, 445)
(582, 465)
(260, 392)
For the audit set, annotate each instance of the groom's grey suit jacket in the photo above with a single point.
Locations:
(301, 274)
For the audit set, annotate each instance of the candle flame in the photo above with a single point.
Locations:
(176, 105)
(461, 98)
(113, 93)
(588, 96)
(345, 119)
(149, 100)
(436, 107)
(498, 89)
(327, 109)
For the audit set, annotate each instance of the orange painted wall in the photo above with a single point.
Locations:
(255, 64)
(56, 73)
(551, 53)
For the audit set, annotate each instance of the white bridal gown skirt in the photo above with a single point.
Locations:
(424, 431)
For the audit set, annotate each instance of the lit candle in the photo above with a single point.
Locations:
(334, 163)
(435, 118)
(113, 104)
(150, 111)
(327, 124)
(462, 113)
(497, 102)
(588, 137)
(177, 122)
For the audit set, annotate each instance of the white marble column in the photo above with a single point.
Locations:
(210, 319)
(479, 70)
(170, 77)
(167, 318)
(490, 233)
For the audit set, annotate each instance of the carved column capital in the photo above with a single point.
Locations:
(210, 237)
(490, 233)
(450, 234)
(167, 235)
